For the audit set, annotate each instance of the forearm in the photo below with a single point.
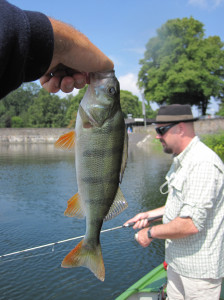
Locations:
(73, 59)
(74, 50)
(156, 212)
(176, 229)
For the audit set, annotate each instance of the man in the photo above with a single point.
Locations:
(193, 216)
(33, 46)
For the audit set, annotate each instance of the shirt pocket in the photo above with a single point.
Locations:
(175, 197)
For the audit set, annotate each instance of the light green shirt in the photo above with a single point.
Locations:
(196, 190)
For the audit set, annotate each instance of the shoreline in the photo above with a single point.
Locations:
(50, 135)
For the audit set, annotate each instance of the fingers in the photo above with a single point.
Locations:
(140, 221)
(66, 84)
(141, 224)
(137, 224)
(51, 84)
(142, 238)
(133, 220)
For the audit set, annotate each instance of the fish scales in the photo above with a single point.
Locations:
(100, 157)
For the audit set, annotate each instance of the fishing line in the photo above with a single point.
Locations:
(47, 253)
(56, 243)
(67, 240)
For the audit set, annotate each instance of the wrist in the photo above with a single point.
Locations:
(150, 233)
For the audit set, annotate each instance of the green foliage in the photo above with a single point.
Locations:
(16, 122)
(221, 110)
(215, 142)
(181, 66)
(46, 111)
(130, 104)
(74, 106)
(32, 106)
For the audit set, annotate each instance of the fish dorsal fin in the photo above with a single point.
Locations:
(125, 155)
(74, 208)
(66, 141)
(118, 205)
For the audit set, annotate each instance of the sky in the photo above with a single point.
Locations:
(122, 28)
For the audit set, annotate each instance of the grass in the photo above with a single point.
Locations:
(215, 142)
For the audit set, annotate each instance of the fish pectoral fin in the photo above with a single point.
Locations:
(85, 256)
(66, 141)
(125, 155)
(119, 205)
(74, 208)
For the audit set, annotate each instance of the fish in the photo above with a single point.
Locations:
(101, 151)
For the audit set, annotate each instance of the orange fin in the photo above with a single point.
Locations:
(83, 255)
(66, 141)
(74, 208)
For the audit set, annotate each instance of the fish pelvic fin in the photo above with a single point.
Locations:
(119, 205)
(74, 208)
(66, 141)
(84, 256)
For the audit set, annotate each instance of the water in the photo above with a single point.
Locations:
(35, 183)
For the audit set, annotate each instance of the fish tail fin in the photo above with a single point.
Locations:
(91, 258)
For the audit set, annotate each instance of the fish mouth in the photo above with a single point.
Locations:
(102, 75)
(88, 120)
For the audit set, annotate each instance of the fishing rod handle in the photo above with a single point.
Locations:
(149, 220)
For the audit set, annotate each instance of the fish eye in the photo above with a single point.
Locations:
(111, 91)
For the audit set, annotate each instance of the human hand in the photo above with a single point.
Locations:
(73, 59)
(140, 221)
(64, 79)
(142, 238)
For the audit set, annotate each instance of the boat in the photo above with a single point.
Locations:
(152, 286)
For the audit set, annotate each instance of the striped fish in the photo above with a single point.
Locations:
(101, 147)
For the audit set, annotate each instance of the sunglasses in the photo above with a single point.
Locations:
(163, 129)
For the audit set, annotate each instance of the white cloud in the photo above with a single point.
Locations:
(64, 95)
(138, 50)
(206, 4)
(128, 82)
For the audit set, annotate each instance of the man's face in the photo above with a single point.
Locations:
(166, 136)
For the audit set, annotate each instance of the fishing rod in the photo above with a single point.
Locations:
(149, 220)
(75, 238)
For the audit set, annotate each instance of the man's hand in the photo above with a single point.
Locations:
(142, 238)
(73, 59)
(140, 221)
(61, 81)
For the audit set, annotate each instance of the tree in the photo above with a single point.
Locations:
(74, 106)
(16, 122)
(130, 104)
(16, 104)
(181, 66)
(46, 111)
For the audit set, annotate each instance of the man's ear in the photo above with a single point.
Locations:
(181, 128)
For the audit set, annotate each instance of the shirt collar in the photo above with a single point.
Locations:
(178, 160)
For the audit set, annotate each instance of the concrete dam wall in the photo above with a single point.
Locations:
(50, 135)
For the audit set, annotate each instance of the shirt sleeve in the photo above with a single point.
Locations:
(26, 46)
(200, 193)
